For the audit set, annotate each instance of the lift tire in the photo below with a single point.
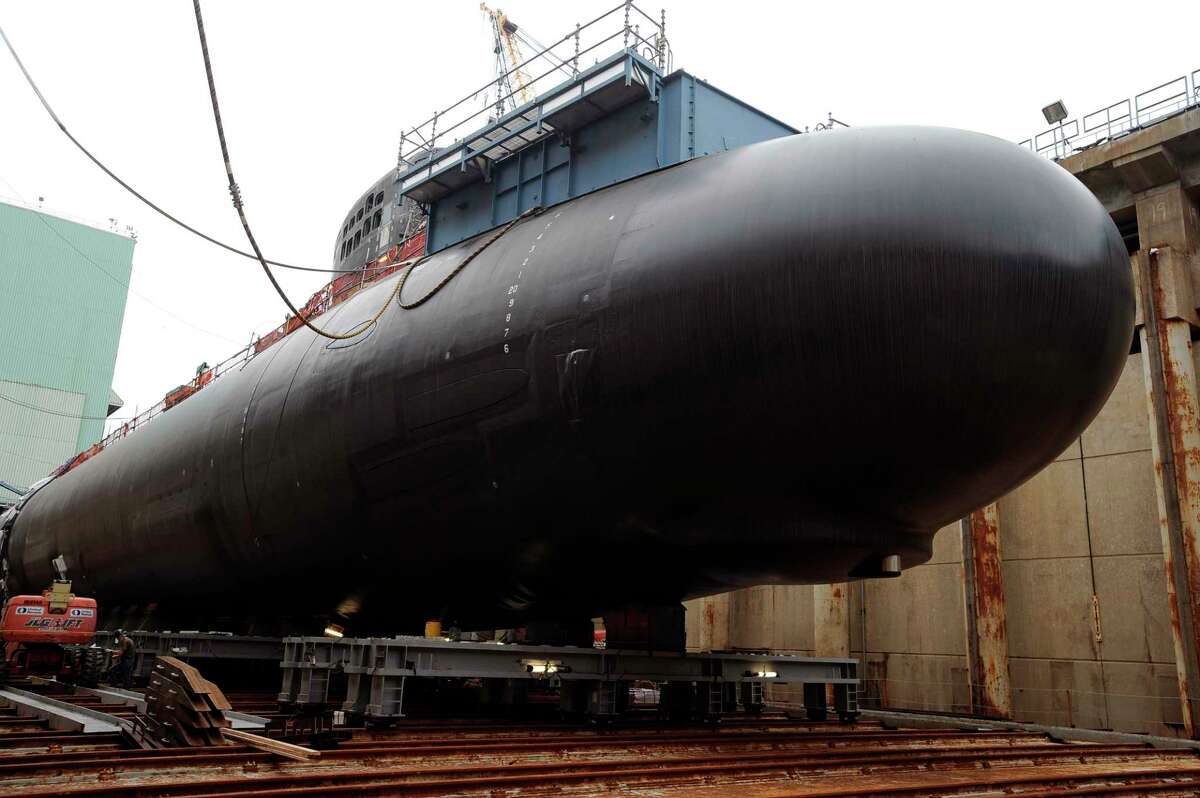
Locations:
(91, 666)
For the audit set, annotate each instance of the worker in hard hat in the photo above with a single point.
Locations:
(121, 674)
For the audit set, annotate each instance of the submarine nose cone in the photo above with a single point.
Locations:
(912, 322)
(984, 301)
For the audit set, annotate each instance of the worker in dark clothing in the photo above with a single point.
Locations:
(121, 674)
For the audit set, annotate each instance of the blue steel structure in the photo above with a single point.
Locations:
(618, 119)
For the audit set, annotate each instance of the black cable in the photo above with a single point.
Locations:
(135, 192)
(236, 194)
(41, 217)
(48, 411)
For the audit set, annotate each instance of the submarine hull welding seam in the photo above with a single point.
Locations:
(791, 362)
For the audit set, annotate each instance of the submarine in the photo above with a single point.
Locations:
(658, 345)
(636, 396)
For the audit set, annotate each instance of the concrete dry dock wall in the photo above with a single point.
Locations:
(1083, 609)
(1089, 625)
(915, 646)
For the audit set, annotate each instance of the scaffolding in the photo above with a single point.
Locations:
(543, 70)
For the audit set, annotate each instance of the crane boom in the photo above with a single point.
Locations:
(508, 57)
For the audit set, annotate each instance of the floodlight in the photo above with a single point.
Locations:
(1055, 112)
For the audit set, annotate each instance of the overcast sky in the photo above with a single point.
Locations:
(314, 96)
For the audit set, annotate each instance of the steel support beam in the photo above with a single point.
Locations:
(60, 715)
(986, 614)
(190, 646)
(377, 669)
(1167, 228)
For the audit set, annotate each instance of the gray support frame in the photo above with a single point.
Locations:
(190, 646)
(377, 669)
(60, 715)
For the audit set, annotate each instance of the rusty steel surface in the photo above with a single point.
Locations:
(986, 614)
(635, 370)
(1174, 408)
(713, 629)
(831, 620)
(768, 755)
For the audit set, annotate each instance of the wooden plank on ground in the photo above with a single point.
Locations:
(288, 750)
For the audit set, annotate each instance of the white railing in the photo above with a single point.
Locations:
(623, 27)
(1123, 116)
(202, 379)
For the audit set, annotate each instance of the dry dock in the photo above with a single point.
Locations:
(769, 755)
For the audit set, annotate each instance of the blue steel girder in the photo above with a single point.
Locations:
(632, 70)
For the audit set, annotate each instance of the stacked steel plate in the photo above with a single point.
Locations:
(182, 708)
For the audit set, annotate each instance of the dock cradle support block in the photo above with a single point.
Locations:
(377, 669)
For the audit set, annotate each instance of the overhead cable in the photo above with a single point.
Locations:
(158, 209)
(50, 412)
(236, 195)
(124, 284)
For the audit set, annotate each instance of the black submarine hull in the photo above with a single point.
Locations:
(779, 364)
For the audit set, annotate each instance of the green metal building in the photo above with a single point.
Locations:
(63, 286)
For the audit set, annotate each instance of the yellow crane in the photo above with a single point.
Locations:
(508, 58)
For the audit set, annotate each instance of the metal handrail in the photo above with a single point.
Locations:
(649, 18)
(1109, 119)
(320, 302)
(1061, 135)
(1149, 111)
(464, 146)
(421, 141)
(508, 96)
(513, 93)
(510, 72)
(226, 365)
(1121, 117)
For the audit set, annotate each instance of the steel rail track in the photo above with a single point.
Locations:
(51, 737)
(628, 771)
(888, 741)
(1162, 782)
(159, 761)
(638, 757)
